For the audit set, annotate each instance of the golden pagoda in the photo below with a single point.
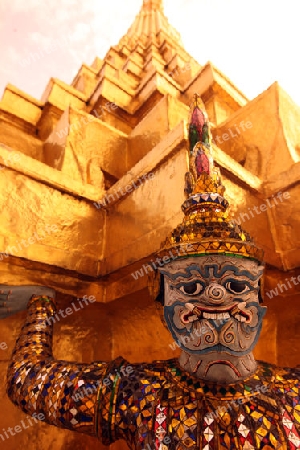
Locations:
(92, 181)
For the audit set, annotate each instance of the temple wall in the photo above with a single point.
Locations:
(46, 225)
(92, 145)
(22, 105)
(149, 132)
(263, 135)
(284, 223)
(222, 108)
(136, 224)
(21, 142)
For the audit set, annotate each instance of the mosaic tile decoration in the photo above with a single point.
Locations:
(156, 406)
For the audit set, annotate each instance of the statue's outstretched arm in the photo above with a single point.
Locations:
(60, 393)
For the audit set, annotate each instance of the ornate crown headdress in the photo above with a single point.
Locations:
(206, 227)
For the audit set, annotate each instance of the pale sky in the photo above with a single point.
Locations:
(254, 43)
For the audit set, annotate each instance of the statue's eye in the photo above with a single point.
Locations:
(237, 287)
(191, 288)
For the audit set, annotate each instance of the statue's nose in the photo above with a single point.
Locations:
(215, 294)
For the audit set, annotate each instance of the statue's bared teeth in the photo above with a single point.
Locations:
(238, 311)
(218, 316)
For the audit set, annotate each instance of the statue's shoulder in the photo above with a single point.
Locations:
(280, 376)
(156, 372)
(158, 369)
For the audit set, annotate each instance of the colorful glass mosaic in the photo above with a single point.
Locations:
(155, 406)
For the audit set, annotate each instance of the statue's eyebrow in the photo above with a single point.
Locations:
(194, 270)
(184, 273)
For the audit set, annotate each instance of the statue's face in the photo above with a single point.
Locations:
(211, 304)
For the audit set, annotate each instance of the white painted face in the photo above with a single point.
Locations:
(211, 303)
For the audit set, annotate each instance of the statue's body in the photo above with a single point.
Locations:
(216, 396)
(159, 405)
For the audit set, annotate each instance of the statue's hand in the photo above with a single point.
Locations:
(15, 298)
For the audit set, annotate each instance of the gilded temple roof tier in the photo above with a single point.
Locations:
(121, 111)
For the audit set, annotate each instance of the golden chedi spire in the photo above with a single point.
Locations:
(152, 26)
(151, 5)
(206, 227)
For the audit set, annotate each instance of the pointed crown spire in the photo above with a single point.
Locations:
(206, 227)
